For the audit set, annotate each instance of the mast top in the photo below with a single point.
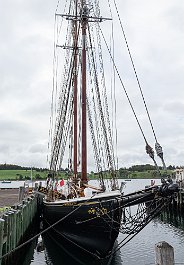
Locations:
(90, 18)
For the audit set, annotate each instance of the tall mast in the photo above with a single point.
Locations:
(75, 50)
(84, 134)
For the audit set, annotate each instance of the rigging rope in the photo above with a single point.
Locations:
(121, 81)
(54, 78)
(158, 148)
(149, 150)
(113, 93)
(103, 110)
(158, 209)
(97, 120)
(63, 123)
(60, 125)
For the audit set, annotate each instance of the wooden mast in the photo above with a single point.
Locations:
(75, 50)
(84, 10)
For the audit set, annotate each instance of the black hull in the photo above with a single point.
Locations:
(87, 227)
(69, 254)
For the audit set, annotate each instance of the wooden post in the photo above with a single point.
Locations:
(5, 218)
(21, 193)
(14, 228)
(36, 186)
(1, 237)
(164, 254)
(10, 230)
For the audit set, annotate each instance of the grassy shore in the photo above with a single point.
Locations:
(26, 174)
(149, 174)
(21, 174)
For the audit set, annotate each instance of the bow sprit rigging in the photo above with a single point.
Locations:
(158, 147)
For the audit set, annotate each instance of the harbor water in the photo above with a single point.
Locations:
(139, 251)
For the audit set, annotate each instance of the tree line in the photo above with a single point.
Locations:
(146, 167)
(136, 170)
(16, 167)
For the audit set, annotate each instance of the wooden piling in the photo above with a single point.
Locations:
(14, 224)
(36, 186)
(21, 193)
(1, 237)
(5, 235)
(164, 254)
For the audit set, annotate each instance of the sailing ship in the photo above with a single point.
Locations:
(91, 222)
(84, 218)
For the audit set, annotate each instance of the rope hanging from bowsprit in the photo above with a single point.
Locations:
(158, 147)
(149, 149)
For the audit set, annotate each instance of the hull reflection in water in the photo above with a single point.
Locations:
(61, 255)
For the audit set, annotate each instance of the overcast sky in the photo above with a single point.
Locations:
(155, 32)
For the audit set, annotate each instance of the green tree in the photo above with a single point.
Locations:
(123, 173)
(37, 176)
(154, 174)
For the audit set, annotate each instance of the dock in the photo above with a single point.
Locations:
(18, 212)
(8, 197)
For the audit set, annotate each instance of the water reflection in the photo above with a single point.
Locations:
(117, 260)
(173, 216)
(29, 253)
(54, 255)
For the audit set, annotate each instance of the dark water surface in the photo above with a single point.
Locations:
(139, 251)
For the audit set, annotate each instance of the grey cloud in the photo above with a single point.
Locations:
(176, 107)
(4, 148)
(38, 148)
(155, 34)
(14, 130)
